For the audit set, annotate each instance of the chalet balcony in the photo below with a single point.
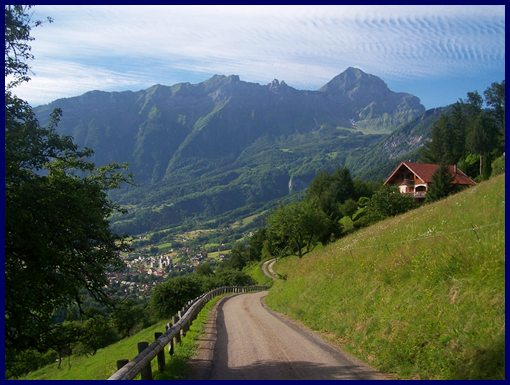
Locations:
(416, 194)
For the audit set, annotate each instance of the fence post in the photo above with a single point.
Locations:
(146, 371)
(171, 343)
(121, 363)
(178, 335)
(161, 354)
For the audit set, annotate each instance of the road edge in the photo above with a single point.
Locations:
(321, 339)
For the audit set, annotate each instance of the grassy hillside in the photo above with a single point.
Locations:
(103, 364)
(254, 270)
(420, 295)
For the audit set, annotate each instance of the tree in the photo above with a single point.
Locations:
(326, 192)
(205, 269)
(126, 316)
(387, 202)
(297, 227)
(256, 244)
(320, 193)
(440, 185)
(62, 338)
(57, 237)
(97, 332)
(495, 99)
(167, 298)
(443, 148)
(482, 138)
(470, 129)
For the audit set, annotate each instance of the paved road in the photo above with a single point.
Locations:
(249, 342)
(267, 268)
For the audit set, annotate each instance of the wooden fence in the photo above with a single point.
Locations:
(175, 330)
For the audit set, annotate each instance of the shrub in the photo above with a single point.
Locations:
(387, 202)
(498, 166)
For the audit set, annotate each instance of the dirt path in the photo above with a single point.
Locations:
(249, 342)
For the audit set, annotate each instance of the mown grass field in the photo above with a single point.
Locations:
(103, 364)
(421, 295)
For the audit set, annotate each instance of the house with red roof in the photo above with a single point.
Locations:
(415, 178)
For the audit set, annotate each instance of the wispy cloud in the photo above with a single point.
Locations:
(118, 47)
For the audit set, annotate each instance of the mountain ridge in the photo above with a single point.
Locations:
(224, 143)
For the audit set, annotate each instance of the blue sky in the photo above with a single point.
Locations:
(437, 53)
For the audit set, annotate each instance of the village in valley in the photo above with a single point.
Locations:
(143, 270)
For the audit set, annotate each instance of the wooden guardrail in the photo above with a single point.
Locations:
(175, 330)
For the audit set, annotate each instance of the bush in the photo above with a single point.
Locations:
(231, 278)
(387, 202)
(170, 296)
(498, 166)
(97, 333)
(19, 363)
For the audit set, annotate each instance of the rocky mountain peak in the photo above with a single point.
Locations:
(353, 82)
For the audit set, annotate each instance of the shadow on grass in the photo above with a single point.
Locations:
(486, 364)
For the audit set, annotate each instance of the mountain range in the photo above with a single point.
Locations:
(225, 148)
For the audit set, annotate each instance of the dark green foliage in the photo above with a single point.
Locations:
(297, 227)
(441, 184)
(127, 316)
(97, 332)
(327, 192)
(348, 208)
(62, 338)
(240, 254)
(498, 166)
(169, 297)
(205, 269)
(57, 240)
(26, 361)
(470, 164)
(18, 25)
(229, 277)
(387, 202)
(469, 129)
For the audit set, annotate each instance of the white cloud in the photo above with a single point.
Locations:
(102, 46)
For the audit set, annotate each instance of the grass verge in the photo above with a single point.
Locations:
(103, 364)
(253, 269)
(177, 368)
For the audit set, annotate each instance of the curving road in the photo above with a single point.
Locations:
(267, 268)
(246, 341)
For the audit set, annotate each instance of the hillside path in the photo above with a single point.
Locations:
(246, 341)
(267, 268)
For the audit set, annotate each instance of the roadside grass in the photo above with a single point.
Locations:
(254, 270)
(420, 295)
(103, 364)
(177, 367)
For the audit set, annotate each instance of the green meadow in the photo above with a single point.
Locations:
(419, 296)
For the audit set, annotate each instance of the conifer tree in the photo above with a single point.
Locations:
(441, 184)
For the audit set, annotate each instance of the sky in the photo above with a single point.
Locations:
(435, 52)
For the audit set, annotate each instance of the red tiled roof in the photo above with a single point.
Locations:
(425, 171)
